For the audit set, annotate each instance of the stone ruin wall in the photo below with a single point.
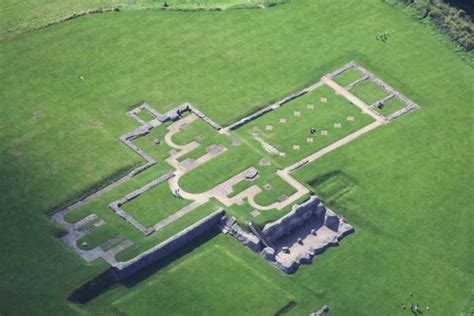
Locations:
(265, 110)
(231, 227)
(367, 75)
(176, 113)
(116, 206)
(167, 247)
(298, 215)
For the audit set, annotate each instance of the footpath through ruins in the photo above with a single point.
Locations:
(331, 229)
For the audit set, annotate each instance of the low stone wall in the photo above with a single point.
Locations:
(367, 75)
(116, 206)
(167, 247)
(265, 110)
(251, 117)
(409, 104)
(176, 113)
(322, 311)
(298, 165)
(143, 107)
(344, 68)
(127, 140)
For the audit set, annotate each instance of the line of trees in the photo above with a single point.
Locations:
(448, 19)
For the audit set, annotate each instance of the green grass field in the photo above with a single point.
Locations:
(145, 116)
(155, 205)
(391, 106)
(369, 92)
(410, 194)
(23, 16)
(296, 129)
(160, 151)
(348, 77)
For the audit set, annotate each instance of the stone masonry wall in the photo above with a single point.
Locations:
(231, 227)
(116, 206)
(265, 110)
(167, 247)
(295, 218)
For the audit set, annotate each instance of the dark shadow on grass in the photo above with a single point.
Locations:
(109, 280)
(181, 252)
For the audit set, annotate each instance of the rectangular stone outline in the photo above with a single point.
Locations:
(392, 93)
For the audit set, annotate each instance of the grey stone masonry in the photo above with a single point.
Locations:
(116, 206)
(176, 113)
(367, 75)
(266, 109)
(143, 107)
(344, 68)
(298, 215)
(167, 247)
(358, 81)
(298, 165)
(231, 227)
(322, 311)
(307, 231)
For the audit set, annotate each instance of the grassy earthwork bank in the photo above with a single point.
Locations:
(406, 186)
(17, 17)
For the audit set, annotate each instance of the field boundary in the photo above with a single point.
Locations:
(11, 33)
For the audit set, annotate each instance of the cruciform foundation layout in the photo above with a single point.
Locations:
(285, 136)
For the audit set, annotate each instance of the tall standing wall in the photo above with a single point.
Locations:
(166, 248)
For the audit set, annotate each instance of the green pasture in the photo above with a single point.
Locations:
(154, 205)
(202, 133)
(23, 16)
(369, 92)
(142, 244)
(159, 152)
(266, 291)
(145, 116)
(348, 77)
(391, 106)
(406, 187)
(300, 119)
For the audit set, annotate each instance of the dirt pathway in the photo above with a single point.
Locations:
(352, 98)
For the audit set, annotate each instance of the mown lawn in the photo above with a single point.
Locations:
(348, 77)
(411, 205)
(184, 285)
(391, 106)
(23, 16)
(154, 205)
(369, 92)
(299, 119)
